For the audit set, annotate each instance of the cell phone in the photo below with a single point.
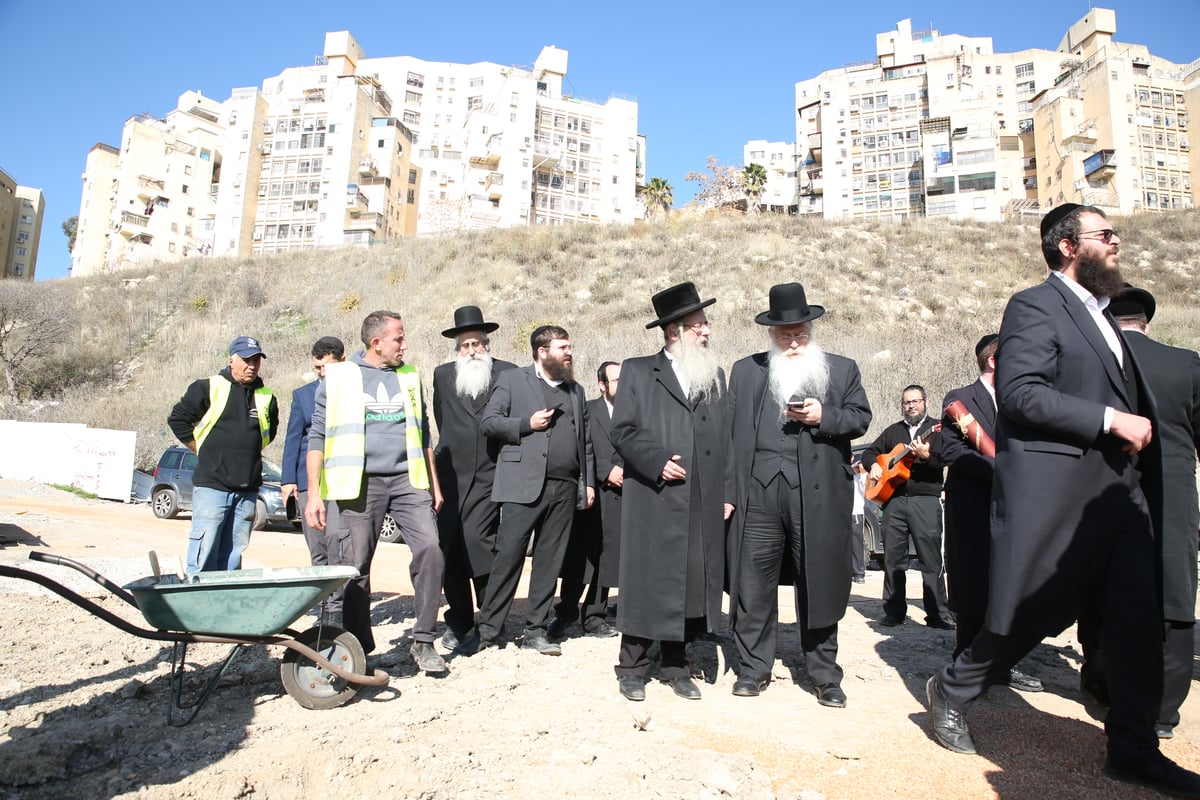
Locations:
(796, 405)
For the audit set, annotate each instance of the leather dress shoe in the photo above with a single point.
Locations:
(452, 641)
(475, 643)
(891, 620)
(557, 629)
(685, 687)
(601, 630)
(830, 694)
(427, 658)
(749, 687)
(632, 687)
(539, 642)
(1023, 683)
(1159, 773)
(949, 724)
(1164, 731)
(939, 623)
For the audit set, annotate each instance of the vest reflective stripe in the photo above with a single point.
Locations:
(345, 430)
(218, 397)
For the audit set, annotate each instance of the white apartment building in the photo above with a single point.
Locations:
(351, 150)
(21, 209)
(780, 195)
(943, 125)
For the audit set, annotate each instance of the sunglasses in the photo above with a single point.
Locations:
(1104, 235)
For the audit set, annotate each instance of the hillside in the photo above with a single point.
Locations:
(907, 301)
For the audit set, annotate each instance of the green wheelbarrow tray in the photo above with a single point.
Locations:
(247, 602)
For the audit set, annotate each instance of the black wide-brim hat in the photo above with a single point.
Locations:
(469, 318)
(676, 303)
(1131, 302)
(788, 306)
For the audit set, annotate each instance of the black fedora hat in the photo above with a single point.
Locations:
(788, 306)
(469, 318)
(1131, 302)
(677, 302)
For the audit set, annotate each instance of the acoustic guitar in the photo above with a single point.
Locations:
(897, 466)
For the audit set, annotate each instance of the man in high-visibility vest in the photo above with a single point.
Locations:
(369, 450)
(226, 420)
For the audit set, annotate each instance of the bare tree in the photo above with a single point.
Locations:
(720, 184)
(34, 319)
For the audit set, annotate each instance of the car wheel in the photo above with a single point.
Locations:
(260, 515)
(389, 531)
(165, 503)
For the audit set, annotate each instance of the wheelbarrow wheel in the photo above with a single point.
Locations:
(312, 685)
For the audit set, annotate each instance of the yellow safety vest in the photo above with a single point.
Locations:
(345, 430)
(218, 396)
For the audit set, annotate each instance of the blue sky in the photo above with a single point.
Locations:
(708, 76)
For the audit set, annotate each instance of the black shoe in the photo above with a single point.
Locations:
(1023, 683)
(949, 724)
(632, 687)
(939, 623)
(749, 687)
(557, 629)
(475, 643)
(1164, 731)
(452, 641)
(830, 694)
(427, 658)
(1161, 774)
(685, 688)
(858, 579)
(539, 642)
(601, 630)
(891, 620)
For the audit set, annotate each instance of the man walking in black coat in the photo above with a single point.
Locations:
(792, 412)
(1071, 522)
(668, 427)
(465, 461)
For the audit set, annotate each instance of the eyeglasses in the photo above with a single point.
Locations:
(919, 402)
(697, 326)
(1104, 235)
(472, 343)
(789, 338)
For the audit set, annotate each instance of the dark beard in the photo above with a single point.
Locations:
(558, 370)
(1092, 274)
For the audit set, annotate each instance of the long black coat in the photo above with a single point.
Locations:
(652, 421)
(967, 510)
(465, 459)
(1062, 485)
(1174, 375)
(594, 550)
(826, 479)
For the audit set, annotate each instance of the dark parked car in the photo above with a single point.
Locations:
(171, 491)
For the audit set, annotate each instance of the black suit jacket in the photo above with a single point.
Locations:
(1174, 375)
(465, 458)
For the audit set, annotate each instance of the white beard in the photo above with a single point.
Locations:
(794, 378)
(700, 365)
(472, 374)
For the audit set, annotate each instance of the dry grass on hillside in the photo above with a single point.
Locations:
(907, 301)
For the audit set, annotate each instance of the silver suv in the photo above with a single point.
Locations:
(171, 491)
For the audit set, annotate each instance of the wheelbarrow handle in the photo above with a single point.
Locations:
(50, 558)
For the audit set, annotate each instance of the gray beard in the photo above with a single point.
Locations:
(700, 365)
(797, 377)
(472, 375)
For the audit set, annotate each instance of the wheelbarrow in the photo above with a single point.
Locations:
(322, 668)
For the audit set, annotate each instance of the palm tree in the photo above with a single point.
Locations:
(658, 196)
(755, 177)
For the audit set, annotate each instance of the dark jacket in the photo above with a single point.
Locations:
(295, 442)
(231, 456)
(925, 479)
(593, 553)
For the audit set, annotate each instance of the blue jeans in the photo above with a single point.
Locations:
(221, 522)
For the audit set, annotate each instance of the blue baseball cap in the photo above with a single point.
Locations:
(245, 347)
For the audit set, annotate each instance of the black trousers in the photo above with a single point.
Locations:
(773, 531)
(921, 518)
(595, 603)
(478, 519)
(551, 514)
(633, 659)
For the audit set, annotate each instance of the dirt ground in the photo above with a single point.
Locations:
(83, 705)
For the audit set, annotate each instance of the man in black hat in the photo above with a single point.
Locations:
(967, 448)
(1071, 522)
(465, 461)
(668, 428)
(793, 411)
(226, 420)
(1173, 374)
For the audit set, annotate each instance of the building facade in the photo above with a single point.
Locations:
(352, 150)
(942, 125)
(21, 209)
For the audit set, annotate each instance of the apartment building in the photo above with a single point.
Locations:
(942, 125)
(780, 195)
(352, 150)
(21, 209)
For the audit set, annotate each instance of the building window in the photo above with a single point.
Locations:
(474, 103)
(412, 176)
(412, 196)
(413, 97)
(20, 251)
(18, 269)
(1023, 70)
(474, 82)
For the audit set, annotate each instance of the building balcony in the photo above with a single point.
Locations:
(132, 224)
(494, 185)
(486, 160)
(1100, 198)
(814, 143)
(355, 199)
(1100, 165)
(367, 167)
(364, 221)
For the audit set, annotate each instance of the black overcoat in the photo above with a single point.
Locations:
(1174, 376)
(465, 459)
(826, 479)
(652, 421)
(594, 549)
